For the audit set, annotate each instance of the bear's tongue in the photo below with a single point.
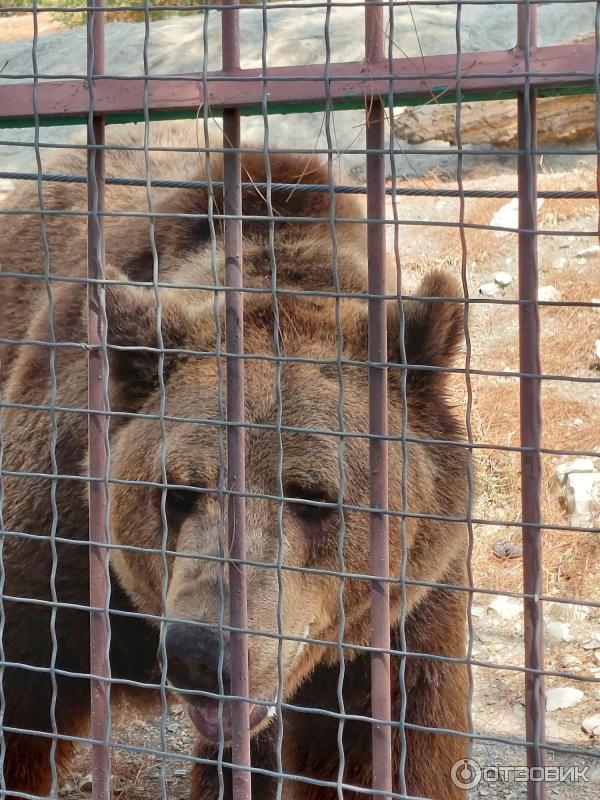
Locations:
(205, 716)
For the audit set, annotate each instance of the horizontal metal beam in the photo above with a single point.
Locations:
(487, 75)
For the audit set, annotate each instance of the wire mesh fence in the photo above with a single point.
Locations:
(299, 457)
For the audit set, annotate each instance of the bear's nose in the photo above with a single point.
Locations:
(193, 657)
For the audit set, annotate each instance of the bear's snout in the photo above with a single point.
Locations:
(193, 657)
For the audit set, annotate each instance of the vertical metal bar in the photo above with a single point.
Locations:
(530, 410)
(234, 338)
(378, 447)
(97, 422)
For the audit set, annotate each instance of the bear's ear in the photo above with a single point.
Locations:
(432, 330)
(133, 336)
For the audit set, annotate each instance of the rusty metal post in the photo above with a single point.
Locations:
(236, 483)
(97, 422)
(378, 424)
(530, 411)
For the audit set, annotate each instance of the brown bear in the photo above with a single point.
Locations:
(44, 460)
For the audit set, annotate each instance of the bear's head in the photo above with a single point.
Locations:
(307, 477)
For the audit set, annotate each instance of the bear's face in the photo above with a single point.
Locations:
(305, 484)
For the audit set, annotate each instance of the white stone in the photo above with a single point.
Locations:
(579, 465)
(508, 216)
(582, 497)
(505, 608)
(563, 697)
(577, 484)
(490, 290)
(548, 294)
(592, 644)
(596, 354)
(595, 775)
(591, 725)
(503, 278)
(558, 631)
(588, 251)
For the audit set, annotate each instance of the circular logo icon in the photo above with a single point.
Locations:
(466, 773)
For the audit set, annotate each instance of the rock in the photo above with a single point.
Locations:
(7, 185)
(596, 354)
(85, 784)
(504, 548)
(563, 697)
(503, 279)
(588, 251)
(490, 290)
(505, 608)
(548, 294)
(582, 497)
(508, 216)
(595, 775)
(591, 725)
(592, 644)
(579, 465)
(558, 631)
(577, 485)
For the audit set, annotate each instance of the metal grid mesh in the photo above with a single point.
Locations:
(398, 715)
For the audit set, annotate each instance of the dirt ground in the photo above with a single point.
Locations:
(20, 26)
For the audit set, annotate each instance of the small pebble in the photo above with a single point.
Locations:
(591, 725)
(503, 278)
(504, 548)
(596, 354)
(558, 631)
(505, 608)
(548, 294)
(563, 697)
(490, 290)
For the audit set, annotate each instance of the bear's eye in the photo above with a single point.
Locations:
(180, 502)
(310, 511)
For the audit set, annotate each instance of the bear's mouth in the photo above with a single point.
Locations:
(205, 715)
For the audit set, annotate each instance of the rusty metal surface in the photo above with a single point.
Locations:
(530, 413)
(236, 466)
(289, 88)
(378, 411)
(98, 428)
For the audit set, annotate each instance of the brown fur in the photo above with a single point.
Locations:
(308, 329)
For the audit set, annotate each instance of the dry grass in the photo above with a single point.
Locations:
(569, 410)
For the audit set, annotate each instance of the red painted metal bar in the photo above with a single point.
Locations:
(234, 333)
(288, 88)
(97, 427)
(530, 413)
(378, 423)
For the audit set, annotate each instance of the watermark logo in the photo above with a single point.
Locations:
(467, 774)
